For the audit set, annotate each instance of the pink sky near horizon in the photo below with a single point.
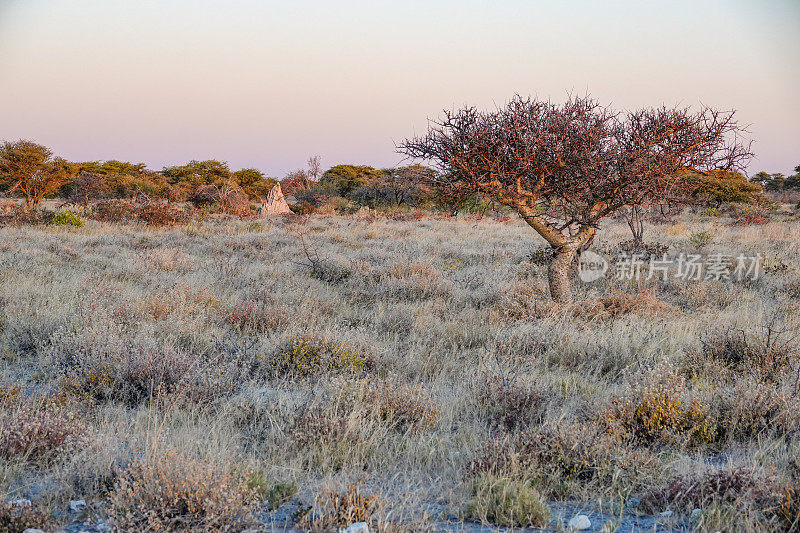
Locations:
(267, 84)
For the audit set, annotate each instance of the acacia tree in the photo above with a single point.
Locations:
(564, 168)
(31, 170)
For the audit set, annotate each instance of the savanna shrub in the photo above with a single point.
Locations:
(507, 503)
(765, 356)
(19, 215)
(316, 425)
(161, 214)
(305, 356)
(112, 211)
(509, 403)
(38, 433)
(618, 303)
(559, 459)
(67, 218)
(146, 373)
(173, 492)
(402, 406)
(328, 271)
(750, 219)
(749, 409)
(252, 317)
(521, 301)
(736, 489)
(644, 250)
(710, 212)
(658, 409)
(273, 492)
(19, 516)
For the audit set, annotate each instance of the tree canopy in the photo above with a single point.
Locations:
(344, 179)
(565, 167)
(31, 170)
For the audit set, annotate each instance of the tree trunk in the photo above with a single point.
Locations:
(558, 274)
(564, 251)
(635, 223)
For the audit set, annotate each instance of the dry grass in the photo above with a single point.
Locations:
(270, 376)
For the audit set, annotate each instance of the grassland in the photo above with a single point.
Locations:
(407, 373)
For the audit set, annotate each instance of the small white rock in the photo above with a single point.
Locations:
(358, 527)
(77, 505)
(579, 523)
(33, 530)
(665, 514)
(22, 502)
(695, 514)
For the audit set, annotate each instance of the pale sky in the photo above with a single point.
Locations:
(266, 84)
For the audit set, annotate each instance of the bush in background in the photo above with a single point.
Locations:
(67, 218)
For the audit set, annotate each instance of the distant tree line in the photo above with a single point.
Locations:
(779, 182)
(31, 171)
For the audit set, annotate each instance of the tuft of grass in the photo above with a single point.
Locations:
(273, 492)
(507, 503)
(336, 508)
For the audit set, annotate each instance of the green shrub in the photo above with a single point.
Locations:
(700, 239)
(659, 409)
(305, 356)
(507, 503)
(67, 218)
(344, 179)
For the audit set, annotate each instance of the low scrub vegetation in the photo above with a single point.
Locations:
(177, 493)
(224, 374)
